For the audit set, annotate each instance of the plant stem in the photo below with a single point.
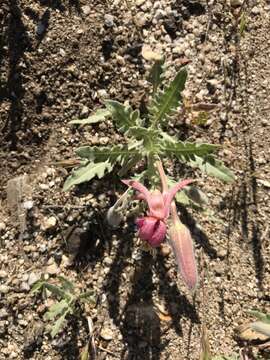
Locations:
(174, 214)
(164, 184)
(162, 175)
(151, 169)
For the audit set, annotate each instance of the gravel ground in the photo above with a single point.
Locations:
(59, 60)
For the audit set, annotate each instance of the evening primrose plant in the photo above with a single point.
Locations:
(148, 143)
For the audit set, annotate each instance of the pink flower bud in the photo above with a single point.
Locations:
(181, 242)
(151, 230)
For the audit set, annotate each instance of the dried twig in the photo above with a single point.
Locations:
(92, 344)
(107, 351)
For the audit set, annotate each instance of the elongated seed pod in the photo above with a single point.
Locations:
(181, 242)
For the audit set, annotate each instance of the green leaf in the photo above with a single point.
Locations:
(186, 151)
(66, 284)
(149, 136)
(260, 316)
(191, 196)
(58, 325)
(135, 117)
(142, 133)
(261, 327)
(38, 286)
(197, 155)
(85, 353)
(168, 138)
(223, 357)
(122, 115)
(212, 167)
(88, 296)
(114, 154)
(243, 23)
(201, 118)
(155, 75)
(129, 164)
(56, 290)
(86, 173)
(100, 115)
(56, 309)
(165, 102)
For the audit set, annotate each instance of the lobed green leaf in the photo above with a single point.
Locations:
(88, 296)
(100, 115)
(38, 286)
(58, 325)
(87, 172)
(213, 167)
(186, 151)
(155, 75)
(189, 196)
(56, 290)
(165, 102)
(261, 327)
(56, 309)
(67, 285)
(260, 316)
(122, 115)
(113, 154)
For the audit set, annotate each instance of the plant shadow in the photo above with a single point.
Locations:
(18, 42)
(244, 212)
(138, 321)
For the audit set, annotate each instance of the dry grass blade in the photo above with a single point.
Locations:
(205, 347)
(246, 333)
(91, 343)
(18, 189)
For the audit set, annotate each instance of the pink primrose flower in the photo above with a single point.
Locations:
(152, 228)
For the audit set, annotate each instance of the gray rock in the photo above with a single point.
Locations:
(52, 269)
(86, 9)
(3, 313)
(140, 2)
(3, 327)
(236, 3)
(85, 111)
(24, 286)
(219, 269)
(140, 19)
(4, 289)
(2, 226)
(48, 223)
(40, 28)
(255, 10)
(33, 277)
(109, 20)
(3, 274)
(107, 334)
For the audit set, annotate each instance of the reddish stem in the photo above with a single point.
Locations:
(162, 175)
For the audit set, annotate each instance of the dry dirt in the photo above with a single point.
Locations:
(58, 60)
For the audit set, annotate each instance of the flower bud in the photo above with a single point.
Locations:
(114, 217)
(181, 242)
(115, 213)
(151, 230)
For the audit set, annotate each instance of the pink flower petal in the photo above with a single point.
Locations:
(154, 200)
(151, 230)
(146, 227)
(139, 222)
(139, 187)
(156, 205)
(168, 197)
(158, 235)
